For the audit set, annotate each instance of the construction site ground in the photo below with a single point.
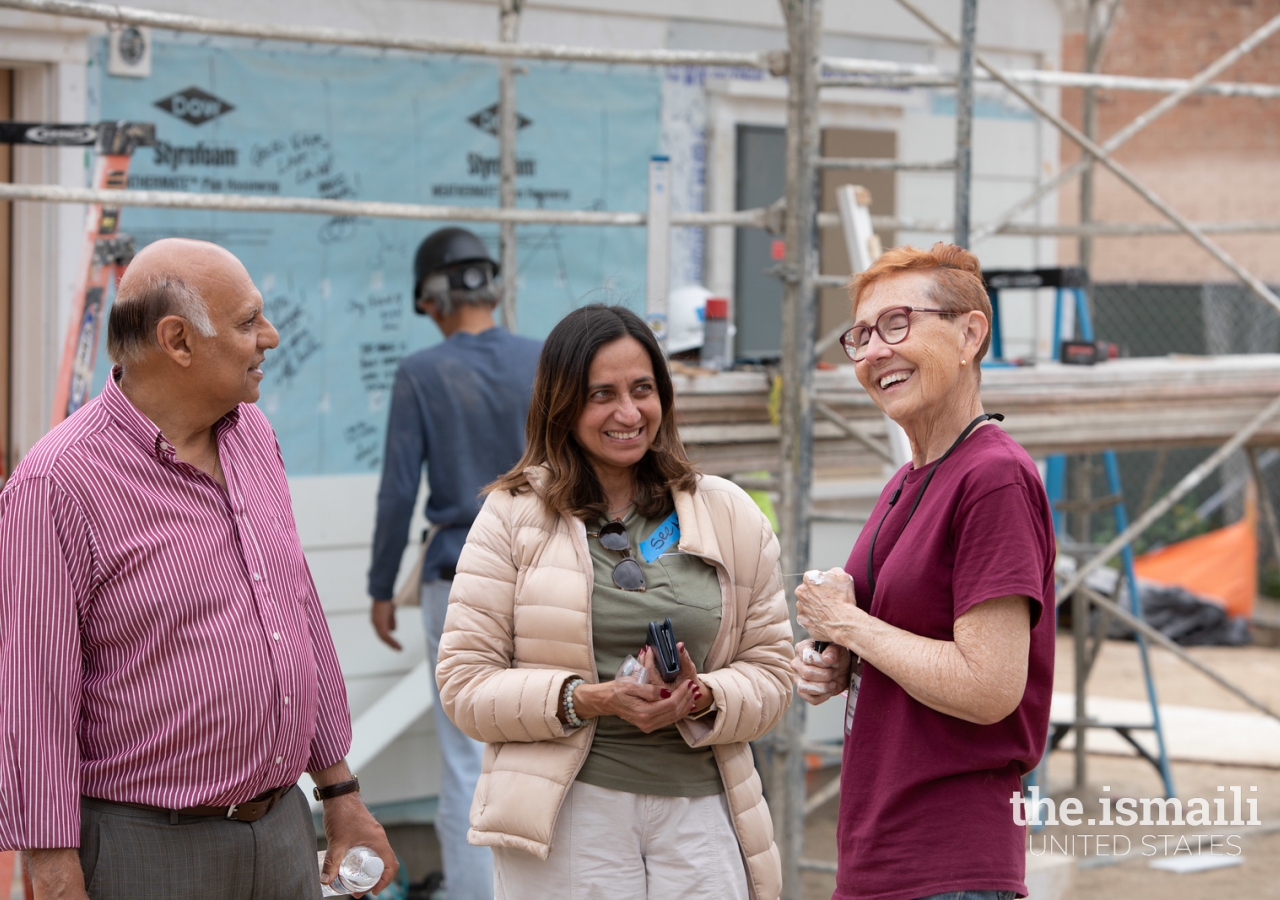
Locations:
(1117, 674)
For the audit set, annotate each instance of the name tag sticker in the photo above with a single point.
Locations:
(665, 537)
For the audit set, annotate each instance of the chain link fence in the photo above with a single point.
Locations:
(1152, 319)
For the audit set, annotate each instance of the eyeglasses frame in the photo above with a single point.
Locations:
(846, 339)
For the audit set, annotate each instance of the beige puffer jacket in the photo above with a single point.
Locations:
(519, 625)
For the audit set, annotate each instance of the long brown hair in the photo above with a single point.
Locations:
(559, 396)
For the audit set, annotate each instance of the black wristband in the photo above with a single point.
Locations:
(337, 790)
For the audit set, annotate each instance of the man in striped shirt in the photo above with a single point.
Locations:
(166, 672)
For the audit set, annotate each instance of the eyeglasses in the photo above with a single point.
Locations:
(893, 326)
(627, 574)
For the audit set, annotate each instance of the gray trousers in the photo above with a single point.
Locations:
(140, 854)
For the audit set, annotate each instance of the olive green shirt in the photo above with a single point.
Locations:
(622, 757)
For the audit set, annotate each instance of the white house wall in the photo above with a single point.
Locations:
(49, 85)
(335, 517)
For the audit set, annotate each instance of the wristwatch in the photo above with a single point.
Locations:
(336, 790)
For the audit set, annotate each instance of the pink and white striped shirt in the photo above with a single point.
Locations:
(161, 640)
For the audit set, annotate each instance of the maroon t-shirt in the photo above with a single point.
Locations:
(924, 796)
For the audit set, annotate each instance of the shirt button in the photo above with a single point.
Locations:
(279, 759)
(286, 701)
(275, 635)
(257, 577)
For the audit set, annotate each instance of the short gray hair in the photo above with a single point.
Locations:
(139, 307)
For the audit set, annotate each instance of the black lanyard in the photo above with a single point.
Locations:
(871, 577)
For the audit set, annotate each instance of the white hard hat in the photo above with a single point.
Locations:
(686, 308)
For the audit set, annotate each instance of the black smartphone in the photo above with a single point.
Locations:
(662, 638)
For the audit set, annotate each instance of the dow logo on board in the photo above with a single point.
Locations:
(194, 105)
(487, 120)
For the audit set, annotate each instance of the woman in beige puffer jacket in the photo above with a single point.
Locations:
(519, 630)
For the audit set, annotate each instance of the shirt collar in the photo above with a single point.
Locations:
(141, 429)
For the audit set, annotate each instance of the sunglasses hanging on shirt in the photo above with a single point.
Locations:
(627, 574)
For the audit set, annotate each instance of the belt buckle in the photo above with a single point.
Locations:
(231, 810)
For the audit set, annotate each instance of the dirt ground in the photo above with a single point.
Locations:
(1115, 876)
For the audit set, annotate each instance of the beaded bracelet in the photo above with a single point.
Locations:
(567, 697)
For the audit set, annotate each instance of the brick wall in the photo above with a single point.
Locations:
(1212, 158)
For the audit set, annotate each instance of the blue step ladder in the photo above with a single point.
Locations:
(1069, 284)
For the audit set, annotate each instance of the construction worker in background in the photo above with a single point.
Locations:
(459, 408)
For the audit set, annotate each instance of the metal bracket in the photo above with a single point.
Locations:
(114, 251)
(122, 138)
(784, 272)
(113, 138)
(775, 217)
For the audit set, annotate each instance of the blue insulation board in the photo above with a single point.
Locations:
(276, 120)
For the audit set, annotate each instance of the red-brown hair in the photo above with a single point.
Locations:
(955, 276)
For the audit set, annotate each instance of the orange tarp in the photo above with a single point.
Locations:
(1221, 565)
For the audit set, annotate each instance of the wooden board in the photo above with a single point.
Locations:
(1125, 404)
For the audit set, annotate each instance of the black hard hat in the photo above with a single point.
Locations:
(446, 248)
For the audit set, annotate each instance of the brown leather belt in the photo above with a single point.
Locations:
(249, 811)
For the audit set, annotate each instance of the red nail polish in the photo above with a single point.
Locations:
(664, 693)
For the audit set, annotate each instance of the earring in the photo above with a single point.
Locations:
(964, 362)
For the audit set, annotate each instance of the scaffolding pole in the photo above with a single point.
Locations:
(883, 165)
(311, 34)
(964, 120)
(764, 217)
(786, 769)
(872, 73)
(376, 209)
(508, 28)
(1099, 20)
(857, 72)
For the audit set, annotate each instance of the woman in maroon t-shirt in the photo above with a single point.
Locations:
(941, 623)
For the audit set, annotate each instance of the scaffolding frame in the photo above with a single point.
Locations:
(797, 218)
